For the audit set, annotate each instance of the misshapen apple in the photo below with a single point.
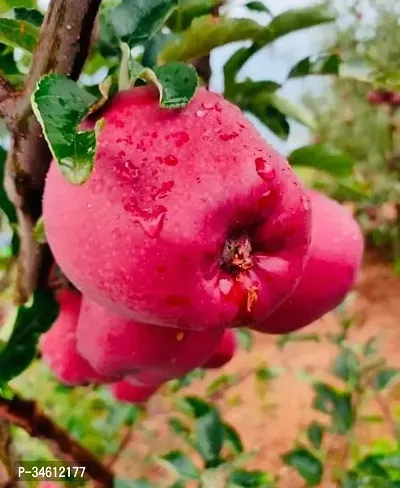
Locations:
(188, 220)
(335, 256)
(58, 346)
(224, 352)
(150, 354)
(125, 392)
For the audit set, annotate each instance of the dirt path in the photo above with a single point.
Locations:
(271, 424)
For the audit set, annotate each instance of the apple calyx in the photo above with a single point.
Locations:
(236, 256)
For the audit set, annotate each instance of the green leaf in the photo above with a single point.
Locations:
(205, 34)
(324, 65)
(18, 33)
(194, 406)
(60, 105)
(390, 462)
(179, 428)
(188, 10)
(39, 232)
(232, 438)
(371, 347)
(306, 464)
(249, 479)
(270, 116)
(346, 366)
(384, 377)
(315, 433)
(30, 15)
(323, 157)
(135, 21)
(257, 6)
(6, 5)
(209, 435)
(241, 93)
(291, 109)
(221, 382)
(30, 323)
(245, 339)
(286, 339)
(370, 465)
(233, 66)
(178, 83)
(141, 483)
(153, 48)
(336, 404)
(182, 465)
(266, 374)
(297, 19)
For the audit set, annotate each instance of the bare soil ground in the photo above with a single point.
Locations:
(270, 424)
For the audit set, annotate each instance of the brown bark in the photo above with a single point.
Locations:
(63, 46)
(28, 416)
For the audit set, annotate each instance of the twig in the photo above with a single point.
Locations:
(27, 415)
(63, 47)
(126, 439)
(203, 64)
(387, 414)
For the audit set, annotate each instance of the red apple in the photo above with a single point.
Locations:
(189, 219)
(225, 351)
(335, 257)
(151, 354)
(58, 345)
(125, 392)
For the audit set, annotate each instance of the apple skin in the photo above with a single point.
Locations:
(336, 251)
(58, 345)
(225, 351)
(125, 392)
(150, 354)
(169, 192)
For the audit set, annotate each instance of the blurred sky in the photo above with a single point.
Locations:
(274, 63)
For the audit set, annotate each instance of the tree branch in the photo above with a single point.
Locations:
(28, 416)
(63, 47)
(8, 458)
(8, 100)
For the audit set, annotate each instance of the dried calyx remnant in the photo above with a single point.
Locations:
(236, 256)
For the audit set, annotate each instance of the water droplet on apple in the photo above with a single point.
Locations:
(200, 113)
(98, 186)
(225, 286)
(305, 202)
(265, 170)
(208, 106)
(218, 107)
(164, 190)
(228, 137)
(180, 138)
(151, 218)
(170, 160)
(141, 146)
